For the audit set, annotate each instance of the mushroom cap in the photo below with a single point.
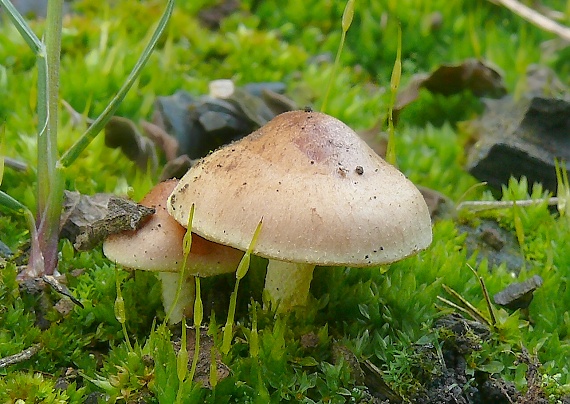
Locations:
(157, 244)
(324, 195)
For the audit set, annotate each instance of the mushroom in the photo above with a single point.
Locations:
(325, 198)
(157, 246)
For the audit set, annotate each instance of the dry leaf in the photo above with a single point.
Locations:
(176, 168)
(122, 132)
(88, 220)
(212, 16)
(168, 144)
(472, 74)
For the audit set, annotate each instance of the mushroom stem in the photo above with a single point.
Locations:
(287, 284)
(184, 307)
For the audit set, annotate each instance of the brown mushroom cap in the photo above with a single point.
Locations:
(157, 245)
(325, 197)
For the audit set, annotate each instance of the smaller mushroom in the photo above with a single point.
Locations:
(157, 246)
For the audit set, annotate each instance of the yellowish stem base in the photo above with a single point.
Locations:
(287, 284)
(185, 305)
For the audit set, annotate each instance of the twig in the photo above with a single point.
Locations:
(534, 17)
(60, 288)
(15, 164)
(477, 206)
(20, 356)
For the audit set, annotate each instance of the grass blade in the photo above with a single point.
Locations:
(23, 28)
(74, 151)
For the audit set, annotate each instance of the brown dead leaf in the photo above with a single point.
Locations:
(212, 16)
(176, 168)
(375, 138)
(88, 220)
(472, 74)
(439, 205)
(168, 144)
(122, 132)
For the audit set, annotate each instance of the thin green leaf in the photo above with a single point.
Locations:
(182, 358)
(12, 204)
(486, 295)
(23, 28)
(348, 15)
(1, 154)
(254, 337)
(71, 155)
(467, 307)
(563, 187)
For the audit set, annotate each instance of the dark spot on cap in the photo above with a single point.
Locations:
(308, 109)
(359, 170)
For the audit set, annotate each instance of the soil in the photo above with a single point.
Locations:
(452, 384)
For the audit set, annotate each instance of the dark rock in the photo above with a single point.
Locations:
(277, 103)
(253, 107)
(258, 89)
(495, 244)
(5, 251)
(202, 124)
(518, 295)
(521, 139)
(172, 114)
